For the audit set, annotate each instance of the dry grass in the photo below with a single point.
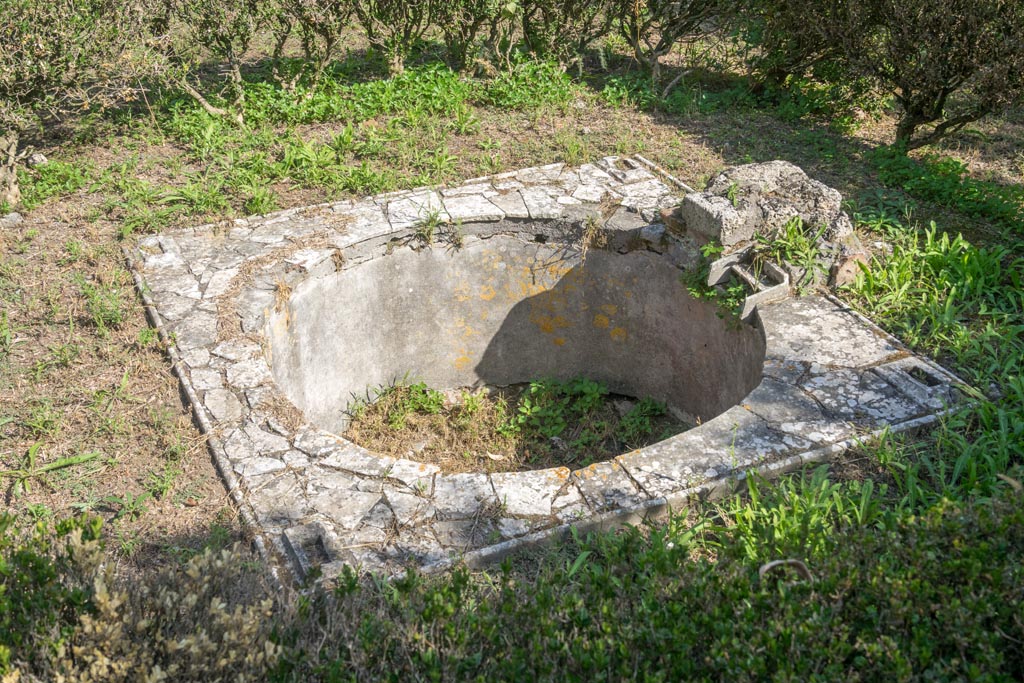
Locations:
(477, 431)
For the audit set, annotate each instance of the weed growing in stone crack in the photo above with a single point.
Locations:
(795, 245)
(729, 297)
(424, 232)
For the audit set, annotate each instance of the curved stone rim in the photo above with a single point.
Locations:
(830, 378)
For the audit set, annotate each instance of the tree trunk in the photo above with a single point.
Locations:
(10, 193)
(905, 128)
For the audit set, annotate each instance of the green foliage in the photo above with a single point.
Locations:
(530, 85)
(129, 505)
(472, 28)
(729, 297)
(41, 595)
(320, 25)
(103, 303)
(945, 62)
(56, 59)
(899, 599)
(962, 303)
(403, 400)
(22, 476)
(560, 30)
(796, 245)
(637, 425)
(943, 295)
(53, 179)
(193, 29)
(547, 406)
(800, 515)
(393, 27)
(944, 181)
(652, 28)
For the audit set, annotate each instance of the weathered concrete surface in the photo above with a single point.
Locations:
(500, 310)
(760, 199)
(226, 292)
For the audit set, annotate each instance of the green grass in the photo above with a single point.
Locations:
(944, 181)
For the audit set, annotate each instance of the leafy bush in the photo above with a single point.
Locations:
(468, 26)
(946, 62)
(393, 27)
(653, 27)
(784, 38)
(224, 29)
(320, 25)
(208, 620)
(42, 591)
(57, 58)
(560, 30)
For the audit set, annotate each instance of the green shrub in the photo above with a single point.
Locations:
(945, 62)
(43, 584)
(393, 27)
(471, 26)
(58, 59)
(560, 30)
(196, 29)
(652, 28)
(320, 25)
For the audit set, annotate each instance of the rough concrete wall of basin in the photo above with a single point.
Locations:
(506, 309)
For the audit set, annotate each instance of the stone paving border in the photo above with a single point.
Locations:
(830, 379)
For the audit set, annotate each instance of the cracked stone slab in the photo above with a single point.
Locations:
(466, 533)
(223, 405)
(277, 499)
(669, 466)
(467, 208)
(606, 486)
(346, 455)
(344, 507)
(540, 204)
(863, 398)
(531, 494)
(409, 509)
(815, 330)
(511, 204)
(415, 209)
(418, 476)
(248, 373)
(463, 495)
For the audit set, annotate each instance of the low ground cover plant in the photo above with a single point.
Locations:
(540, 424)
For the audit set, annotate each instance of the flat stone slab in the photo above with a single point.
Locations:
(830, 378)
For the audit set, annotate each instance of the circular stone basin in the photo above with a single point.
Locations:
(510, 304)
